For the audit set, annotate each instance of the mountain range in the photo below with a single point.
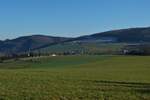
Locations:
(26, 43)
(35, 42)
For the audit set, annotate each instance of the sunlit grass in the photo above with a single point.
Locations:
(76, 78)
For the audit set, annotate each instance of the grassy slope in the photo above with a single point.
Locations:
(104, 48)
(77, 77)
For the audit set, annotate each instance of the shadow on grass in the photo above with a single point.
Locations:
(135, 86)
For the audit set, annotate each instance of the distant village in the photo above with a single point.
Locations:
(130, 49)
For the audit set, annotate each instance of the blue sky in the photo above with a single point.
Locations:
(70, 17)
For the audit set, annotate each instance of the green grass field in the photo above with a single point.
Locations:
(76, 78)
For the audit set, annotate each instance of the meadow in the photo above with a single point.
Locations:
(84, 48)
(76, 78)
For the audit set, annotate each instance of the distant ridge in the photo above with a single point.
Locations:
(129, 35)
(34, 42)
(23, 44)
